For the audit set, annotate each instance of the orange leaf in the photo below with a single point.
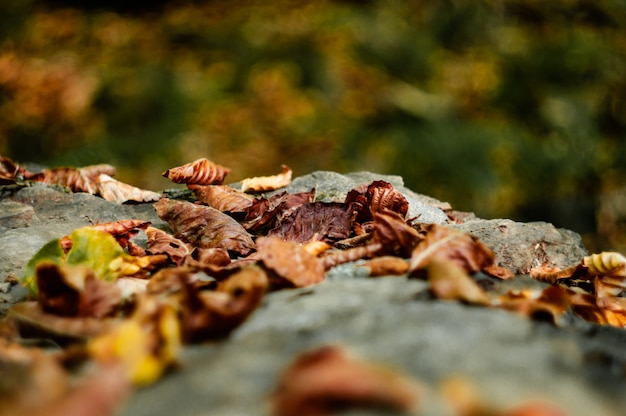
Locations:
(200, 172)
(447, 243)
(120, 192)
(549, 305)
(498, 271)
(448, 280)
(327, 380)
(387, 266)
(267, 183)
(292, 263)
(222, 197)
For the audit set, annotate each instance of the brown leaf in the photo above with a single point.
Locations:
(549, 305)
(35, 323)
(293, 265)
(334, 258)
(11, 171)
(450, 281)
(387, 266)
(83, 179)
(328, 380)
(222, 197)
(69, 290)
(200, 172)
(498, 271)
(317, 247)
(204, 227)
(263, 213)
(447, 243)
(120, 192)
(394, 234)
(609, 270)
(376, 197)
(206, 314)
(603, 311)
(160, 242)
(267, 183)
(122, 230)
(323, 221)
(201, 257)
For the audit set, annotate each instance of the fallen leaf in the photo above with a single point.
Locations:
(120, 192)
(328, 380)
(203, 226)
(10, 172)
(222, 197)
(387, 266)
(145, 345)
(447, 243)
(200, 172)
(366, 200)
(547, 305)
(498, 271)
(323, 221)
(83, 179)
(160, 242)
(214, 314)
(603, 311)
(71, 290)
(263, 213)
(95, 249)
(292, 263)
(448, 280)
(394, 234)
(32, 322)
(267, 183)
(122, 230)
(334, 258)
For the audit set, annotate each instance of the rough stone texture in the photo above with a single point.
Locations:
(522, 246)
(580, 366)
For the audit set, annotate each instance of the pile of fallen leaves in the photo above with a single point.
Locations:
(122, 311)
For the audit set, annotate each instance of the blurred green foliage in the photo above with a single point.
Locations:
(513, 108)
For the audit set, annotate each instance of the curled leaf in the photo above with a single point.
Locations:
(267, 183)
(394, 234)
(327, 380)
(203, 226)
(120, 192)
(200, 172)
(222, 197)
(292, 263)
(387, 266)
(83, 179)
(160, 242)
(211, 314)
(548, 305)
(376, 197)
(334, 258)
(447, 243)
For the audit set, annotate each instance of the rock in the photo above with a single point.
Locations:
(522, 246)
(394, 321)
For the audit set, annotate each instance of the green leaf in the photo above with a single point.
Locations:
(52, 252)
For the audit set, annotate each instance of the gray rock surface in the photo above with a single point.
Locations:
(580, 366)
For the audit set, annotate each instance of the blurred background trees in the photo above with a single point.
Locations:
(509, 108)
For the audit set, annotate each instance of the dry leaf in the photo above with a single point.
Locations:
(145, 345)
(376, 197)
(207, 314)
(83, 179)
(547, 305)
(323, 221)
(293, 265)
(204, 227)
(328, 380)
(35, 323)
(447, 243)
(68, 290)
(498, 271)
(263, 213)
(160, 242)
(394, 234)
(334, 258)
(317, 247)
(267, 183)
(603, 311)
(120, 192)
(11, 171)
(387, 266)
(222, 197)
(122, 230)
(200, 172)
(448, 280)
